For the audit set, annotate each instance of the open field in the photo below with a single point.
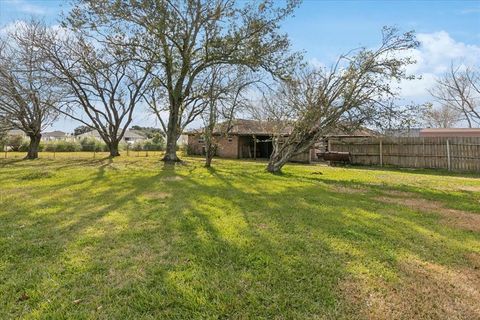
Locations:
(131, 239)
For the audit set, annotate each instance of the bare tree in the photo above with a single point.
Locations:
(103, 83)
(27, 94)
(355, 91)
(442, 116)
(187, 38)
(225, 97)
(459, 90)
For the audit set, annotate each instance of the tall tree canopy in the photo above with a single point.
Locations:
(356, 91)
(81, 129)
(188, 37)
(102, 82)
(28, 98)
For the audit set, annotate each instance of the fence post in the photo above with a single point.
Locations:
(128, 147)
(423, 153)
(449, 159)
(381, 153)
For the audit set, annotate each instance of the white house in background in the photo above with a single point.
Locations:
(16, 132)
(56, 136)
(131, 136)
(183, 140)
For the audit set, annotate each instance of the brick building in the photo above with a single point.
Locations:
(246, 139)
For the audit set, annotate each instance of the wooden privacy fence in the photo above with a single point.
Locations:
(457, 154)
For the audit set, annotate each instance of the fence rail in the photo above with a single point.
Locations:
(456, 154)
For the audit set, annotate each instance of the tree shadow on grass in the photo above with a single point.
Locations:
(8, 162)
(165, 244)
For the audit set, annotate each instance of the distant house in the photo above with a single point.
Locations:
(16, 132)
(131, 136)
(182, 140)
(451, 132)
(252, 139)
(56, 136)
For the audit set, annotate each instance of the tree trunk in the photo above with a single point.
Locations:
(208, 161)
(284, 151)
(34, 146)
(279, 158)
(113, 148)
(172, 136)
(209, 153)
(275, 164)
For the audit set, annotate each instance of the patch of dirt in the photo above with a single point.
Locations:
(457, 218)
(345, 189)
(474, 259)
(398, 193)
(469, 188)
(425, 291)
(157, 195)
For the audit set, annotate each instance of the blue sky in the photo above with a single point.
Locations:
(448, 31)
(327, 28)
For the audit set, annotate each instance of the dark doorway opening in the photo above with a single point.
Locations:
(264, 146)
(259, 148)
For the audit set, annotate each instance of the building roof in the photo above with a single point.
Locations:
(450, 132)
(360, 132)
(247, 127)
(256, 127)
(134, 134)
(54, 134)
(92, 133)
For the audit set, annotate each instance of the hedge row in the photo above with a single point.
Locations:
(86, 144)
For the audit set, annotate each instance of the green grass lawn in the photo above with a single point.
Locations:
(132, 239)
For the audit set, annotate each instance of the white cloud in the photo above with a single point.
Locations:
(434, 56)
(27, 7)
(436, 53)
(14, 26)
(11, 27)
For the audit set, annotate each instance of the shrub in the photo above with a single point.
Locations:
(122, 146)
(24, 146)
(63, 146)
(137, 146)
(15, 142)
(186, 149)
(152, 145)
(92, 144)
